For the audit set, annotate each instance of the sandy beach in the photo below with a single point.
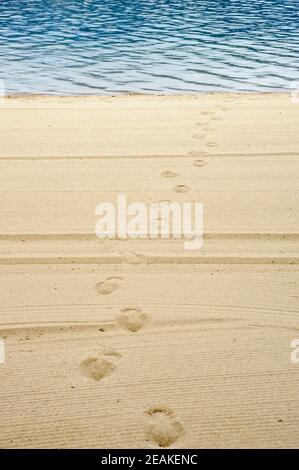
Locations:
(141, 343)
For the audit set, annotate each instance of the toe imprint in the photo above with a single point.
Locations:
(162, 426)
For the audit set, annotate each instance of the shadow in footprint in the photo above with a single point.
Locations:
(132, 319)
(169, 174)
(199, 163)
(96, 368)
(181, 188)
(108, 286)
(162, 426)
(212, 144)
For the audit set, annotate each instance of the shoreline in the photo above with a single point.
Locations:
(144, 95)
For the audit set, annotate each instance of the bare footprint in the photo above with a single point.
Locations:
(109, 285)
(199, 136)
(162, 426)
(199, 163)
(169, 174)
(132, 319)
(181, 188)
(211, 144)
(96, 368)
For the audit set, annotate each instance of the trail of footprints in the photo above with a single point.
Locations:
(161, 425)
(206, 128)
(179, 188)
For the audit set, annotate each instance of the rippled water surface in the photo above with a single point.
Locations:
(106, 46)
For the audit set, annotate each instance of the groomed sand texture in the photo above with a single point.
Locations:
(125, 344)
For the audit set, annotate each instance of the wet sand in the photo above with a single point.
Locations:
(141, 343)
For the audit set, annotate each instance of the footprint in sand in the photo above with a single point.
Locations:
(181, 188)
(199, 163)
(132, 319)
(199, 136)
(162, 426)
(109, 285)
(211, 144)
(169, 174)
(96, 368)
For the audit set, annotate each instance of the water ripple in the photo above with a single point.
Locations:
(106, 46)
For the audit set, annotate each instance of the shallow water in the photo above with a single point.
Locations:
(106, 46)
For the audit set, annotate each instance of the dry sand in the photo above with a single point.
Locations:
(125, 344)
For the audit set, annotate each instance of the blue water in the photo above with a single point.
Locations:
(106, 46)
